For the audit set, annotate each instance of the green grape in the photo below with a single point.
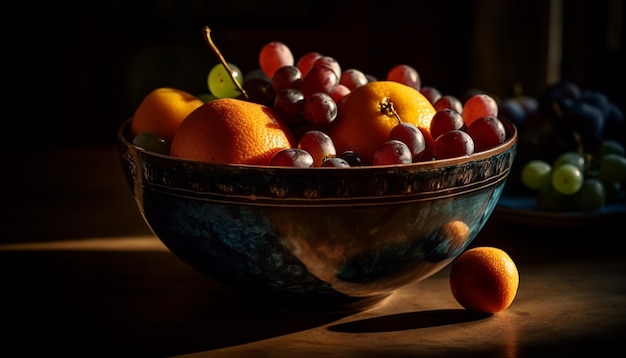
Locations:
(221, 85)
(551, 200)
(574, 158)
(612, 191)
(205, 97)
(591, 195)
(152, 143)
(611, 146)
(612, 168)
(536, 174)
(567, 179)
(588, 166)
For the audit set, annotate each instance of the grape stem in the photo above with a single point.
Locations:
(231, 73)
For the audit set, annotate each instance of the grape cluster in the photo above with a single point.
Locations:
(306, 93)
(571, 148)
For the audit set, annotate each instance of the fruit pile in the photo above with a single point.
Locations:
(571, 148)
(310, 112)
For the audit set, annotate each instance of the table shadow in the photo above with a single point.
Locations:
(408, 321)
(140, 304)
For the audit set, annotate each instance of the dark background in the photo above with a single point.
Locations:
(77, 69)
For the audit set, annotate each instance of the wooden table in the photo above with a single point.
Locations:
(83, 276)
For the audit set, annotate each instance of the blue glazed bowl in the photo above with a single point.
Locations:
(316, 239)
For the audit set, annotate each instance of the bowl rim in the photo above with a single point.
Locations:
(123, 135)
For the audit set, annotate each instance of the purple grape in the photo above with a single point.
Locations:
(292, 157)
(289, 105)
(321, 78)
(409, 134)
(352, 158)
(392, 151)
(287, 77)
(320, 109)
(336, 162)
(487, 132)
(453, 144)
(445, 120)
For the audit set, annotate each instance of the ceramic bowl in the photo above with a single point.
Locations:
(316, 239)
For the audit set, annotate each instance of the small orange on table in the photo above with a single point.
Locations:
(231, 131)
(484, 280)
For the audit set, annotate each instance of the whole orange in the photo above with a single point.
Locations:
(484, 279)
(161, 111)
(232, 131)
(367, 114)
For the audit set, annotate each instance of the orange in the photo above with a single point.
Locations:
(161, 111)
(484, 280)
(365, 116)
(233, 131)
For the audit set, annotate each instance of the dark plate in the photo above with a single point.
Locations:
(521, 209)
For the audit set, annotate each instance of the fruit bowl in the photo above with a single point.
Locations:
(316, 239)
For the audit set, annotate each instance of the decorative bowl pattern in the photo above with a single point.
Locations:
(316, 239)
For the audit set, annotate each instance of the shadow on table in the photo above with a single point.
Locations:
(408, 321)
(126, 303)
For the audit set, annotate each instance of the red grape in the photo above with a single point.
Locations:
(406, 75)
(287, 77)
(431, 93)
(487, 132)
(320, 109)
(292, 157)
(306, 61)
(445, 120)
(392, 151)
(455, 143)
(336, 162)
(353, 78)
(449, 101)
(274, 55)
(409, 134)
(479, 105)
(289, 105)
(339, 92)
(330, 62)
(319, 145)
(321, 78)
